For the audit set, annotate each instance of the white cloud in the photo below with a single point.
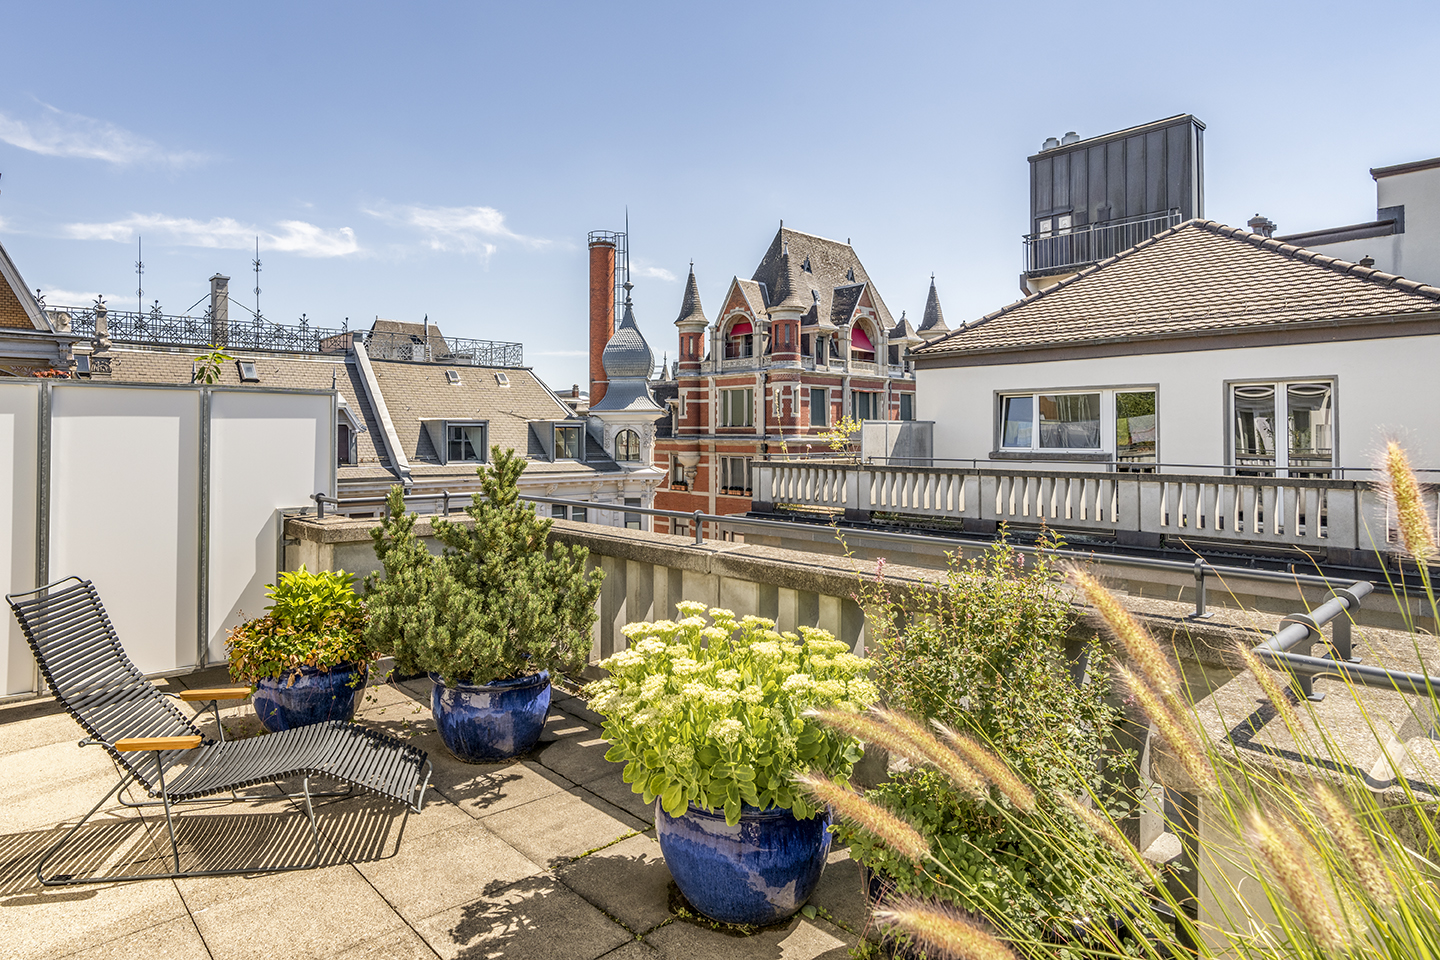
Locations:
(290, 236)
(653, 273)
(57, 133)
(475, 230)
(70, 298)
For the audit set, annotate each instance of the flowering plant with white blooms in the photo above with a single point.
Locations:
(714, 713)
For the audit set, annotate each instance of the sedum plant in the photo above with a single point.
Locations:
(715, 713)
(500, 602)
(314, 620)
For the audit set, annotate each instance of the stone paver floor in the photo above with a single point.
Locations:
(547, 857)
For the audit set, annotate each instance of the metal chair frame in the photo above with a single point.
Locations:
(82, 661)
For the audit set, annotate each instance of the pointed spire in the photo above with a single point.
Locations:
(933, 323)
(691, 312)
(787, 285)
(904, 332)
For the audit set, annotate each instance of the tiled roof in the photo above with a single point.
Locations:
(832, 264)
(1199, 277)
(627, 354)
(843, 301)
(305, 373)
(754, 294)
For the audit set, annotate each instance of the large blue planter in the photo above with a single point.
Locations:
(492, 721)
(758, 872)
(313, 698)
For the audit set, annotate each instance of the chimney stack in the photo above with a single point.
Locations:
(1261, 225)
(219, 310)
(602, 310)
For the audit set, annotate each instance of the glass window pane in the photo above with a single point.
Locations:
(557, 510)
(1255, 426)
(1311, 423)
(580, 514)
(1135, 427)
(475, 440)
(1018, 420)
(1069, 421)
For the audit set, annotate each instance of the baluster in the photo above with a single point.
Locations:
(1266, 521)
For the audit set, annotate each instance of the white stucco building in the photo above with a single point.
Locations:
(1205, 346)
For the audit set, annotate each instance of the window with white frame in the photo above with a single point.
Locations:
(1283, 428)
(737, 407)
(344, 444)
(1120, 421)
(567, 443)
(465, 442)
(735, 475)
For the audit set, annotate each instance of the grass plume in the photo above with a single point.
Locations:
(899, 835)
(1361, 854)
(991, 767)
(904, 737)
(1176, 733)
(1302, 886)
(1141, 648)
(1105, 830)
(1417, 532)
(943, 930)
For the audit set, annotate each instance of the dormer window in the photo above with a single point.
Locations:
(740, 342)
(806, 266)
(567, 443)
(627, 446)
(860, 346)
(465, 442)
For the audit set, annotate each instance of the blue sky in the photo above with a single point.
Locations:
(404, 160)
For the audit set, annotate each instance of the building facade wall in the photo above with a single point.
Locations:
(1383, 388)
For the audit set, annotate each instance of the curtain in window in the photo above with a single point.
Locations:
(1255, 425)
(1019, 419)
(1070, 421)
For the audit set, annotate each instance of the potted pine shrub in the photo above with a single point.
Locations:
(308, 657)
(490, 620)
(710, 720)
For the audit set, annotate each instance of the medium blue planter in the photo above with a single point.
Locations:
(758, 872)
(313, 698)
(491, 721)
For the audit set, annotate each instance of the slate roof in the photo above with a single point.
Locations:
(832, 264)
(1200, 277)
(627, 354)
(904, 331)
(690, 309)
(933, 320)
(843, 301)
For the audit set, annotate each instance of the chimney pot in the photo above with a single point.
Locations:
(1261, 225)
(1367, 261)
(1069, 138)
(1050, 144)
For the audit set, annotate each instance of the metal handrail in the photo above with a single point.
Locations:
(1200, 568)
(1303, 629)
(1128, 467)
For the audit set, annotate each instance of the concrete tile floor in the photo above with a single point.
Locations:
(548, 857)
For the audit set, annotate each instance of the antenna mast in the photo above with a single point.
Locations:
(256, 264)
(139, 277)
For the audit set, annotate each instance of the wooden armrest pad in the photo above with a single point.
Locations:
(157, 743)
(216, 693)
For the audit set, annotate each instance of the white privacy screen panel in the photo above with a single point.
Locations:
(268, 451)
(125, 511)
(19, 453)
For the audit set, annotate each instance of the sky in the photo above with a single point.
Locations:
(448, 160)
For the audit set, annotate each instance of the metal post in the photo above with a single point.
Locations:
(202, 575)
(319, 499)
(699, 529)
(1340, 637)
(445, 502)
(1200, 612)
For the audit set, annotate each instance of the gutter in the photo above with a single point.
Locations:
(382, 413)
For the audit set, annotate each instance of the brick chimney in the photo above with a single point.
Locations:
(602, 311)
(1261, 225)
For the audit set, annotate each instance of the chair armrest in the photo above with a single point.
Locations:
(215, 693)
(128, 744)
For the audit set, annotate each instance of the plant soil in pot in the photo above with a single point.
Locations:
(489, 722)
(758, 871)
(313, 697)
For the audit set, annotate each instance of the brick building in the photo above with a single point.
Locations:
(805, 341)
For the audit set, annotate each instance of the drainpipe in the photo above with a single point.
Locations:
(382, 412)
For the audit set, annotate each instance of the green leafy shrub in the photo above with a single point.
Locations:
(315, 620)
(714, 714)
(500, 602)
(984, 655)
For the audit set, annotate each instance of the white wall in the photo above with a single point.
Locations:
(19, 436)
(268, 451)
(1383, 388)
(1414, 254)
(125, 511)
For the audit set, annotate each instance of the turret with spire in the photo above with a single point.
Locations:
(932, 324)
(692, 324)
(628, 362)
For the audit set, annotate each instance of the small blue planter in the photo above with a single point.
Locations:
(758, 872)
(313, 698)
(491, 721)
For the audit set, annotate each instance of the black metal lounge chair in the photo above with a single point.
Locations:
(156, 746)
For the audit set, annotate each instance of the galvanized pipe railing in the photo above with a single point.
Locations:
(1303, 630)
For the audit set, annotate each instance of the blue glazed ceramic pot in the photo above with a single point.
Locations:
(313, 698)
(758, 872)
(491, 721)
